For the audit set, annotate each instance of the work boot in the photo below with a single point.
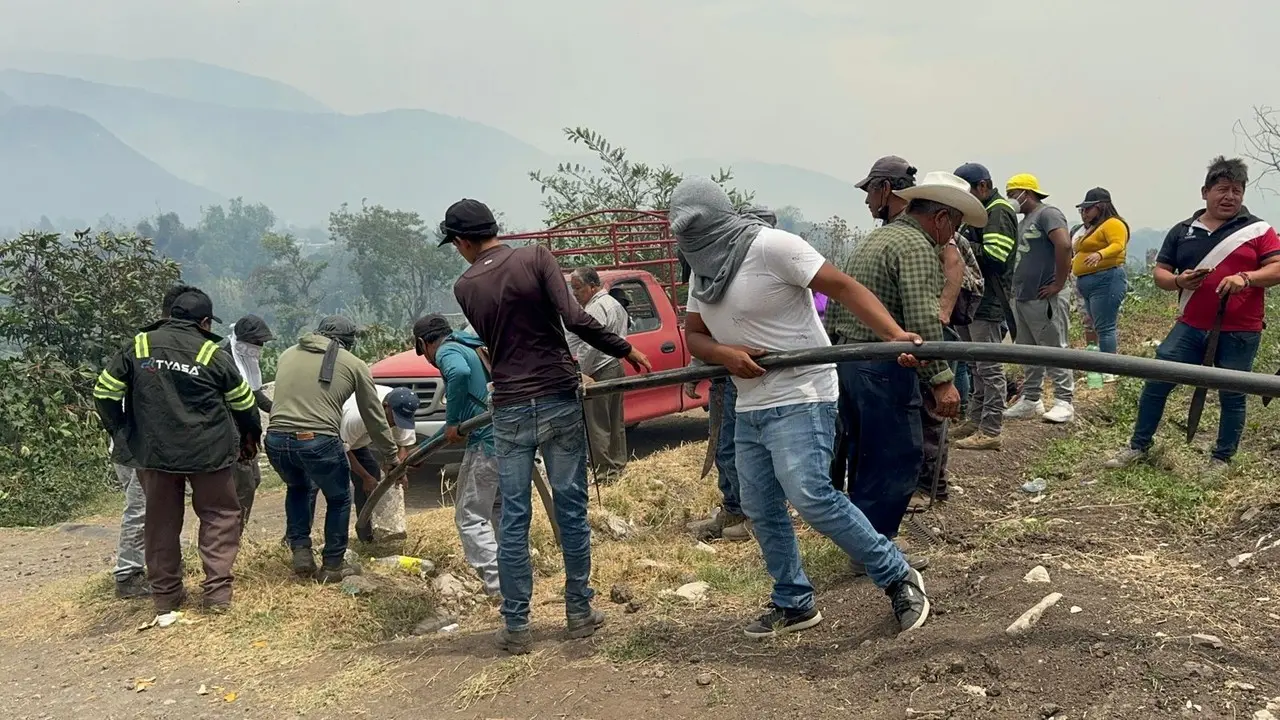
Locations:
(1216, 468)
(981, 441)
(215, 607)
(337, 574)
(515, 642)
(1061, 412)
(738, 532)
(966, 429)
(134, 586)
(782, 620)
(1125, 458)
(713, 527)
(304, 562)
(1025, 409)
(584, 626)
(910, 603)
(920, 502)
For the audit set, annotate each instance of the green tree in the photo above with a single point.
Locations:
(289, 284)
(618, 182)
(231, 238)
(402, 273)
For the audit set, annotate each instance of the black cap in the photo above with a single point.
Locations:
(889, 167)
(469, 220)
(430, 328)
(1095, 196)
(253, 330)
(973, 173)
(193, 305)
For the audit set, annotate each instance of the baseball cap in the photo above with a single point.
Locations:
(467, 219)
(253, 330)
(403, 403)
(193, 305)
(889, 167)
(973, 173)
(431, 327)
(1095, 196)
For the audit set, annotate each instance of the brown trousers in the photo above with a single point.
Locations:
(248, 477)
(605, 430)
(213, 496)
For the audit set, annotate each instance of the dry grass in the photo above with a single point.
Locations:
(497, 678)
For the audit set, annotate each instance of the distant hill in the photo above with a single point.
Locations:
(184, 79)
(819, 195)
(304, 165)
(63, 164)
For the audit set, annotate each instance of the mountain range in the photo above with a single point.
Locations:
(160, 135)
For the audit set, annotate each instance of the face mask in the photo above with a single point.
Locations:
(1017, 202)
(249, 351)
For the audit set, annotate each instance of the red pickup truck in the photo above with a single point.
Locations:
(628, 247)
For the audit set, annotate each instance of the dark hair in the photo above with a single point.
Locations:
(587, 276)
(920, 206)
(172, 294)
(1234, 171)
(1106, 211)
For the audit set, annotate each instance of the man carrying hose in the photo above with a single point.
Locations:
(1219, 261)
(519, 304)
(751, 292)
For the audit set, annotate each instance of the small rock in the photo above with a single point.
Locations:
(704, 679)
(621, 594)
(434, 624)
(956, 667)
(359, 585)
(995, 691)
(1250, 514)
(1264, 715)
(1049, 710)
(1195, 669)
(1241, 559)
(1037, 574)
(659, 673)
(633, 607)
(618, 528)
(1237, 685)
(449, 586)
(666, 693)
(865, 644)
(974, 690)
(170, 701)
(1205, 640)
(991, 666)
(695, 592)
(1076, 609)
(704, 548)
(650, 564)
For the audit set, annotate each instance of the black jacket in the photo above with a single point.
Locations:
(173, 401)
(996, 249)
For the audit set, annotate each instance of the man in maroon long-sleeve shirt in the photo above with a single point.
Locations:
(518, 303)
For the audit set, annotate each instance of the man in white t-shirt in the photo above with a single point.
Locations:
(400, 404)
(750, 293)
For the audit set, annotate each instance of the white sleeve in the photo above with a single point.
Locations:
(351, 430)
(405, 438)
(790, 258)
(692, 305)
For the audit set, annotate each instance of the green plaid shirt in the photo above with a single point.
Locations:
(900, 265)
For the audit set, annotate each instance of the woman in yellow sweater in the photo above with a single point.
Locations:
(1098, 264)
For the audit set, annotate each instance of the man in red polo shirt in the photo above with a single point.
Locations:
(1221, 252)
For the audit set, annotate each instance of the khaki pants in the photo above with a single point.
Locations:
(213, 496)
(605, 430)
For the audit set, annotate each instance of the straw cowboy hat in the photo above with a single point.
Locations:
(950, 190)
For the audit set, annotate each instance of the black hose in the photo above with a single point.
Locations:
(1163, 370)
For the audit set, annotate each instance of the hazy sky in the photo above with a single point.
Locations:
(1133, 95)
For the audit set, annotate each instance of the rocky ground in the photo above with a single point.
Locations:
(1154, 619)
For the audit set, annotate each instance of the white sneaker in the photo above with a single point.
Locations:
(1061, 412)
(1024, 409)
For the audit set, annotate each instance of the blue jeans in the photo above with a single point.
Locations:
(1185, 344)
(555, 425)
(1103, 293)
(784, 454)
(726, 463)
(305, 466)
(880, 409)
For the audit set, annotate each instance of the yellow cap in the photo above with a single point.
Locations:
(1025, 181)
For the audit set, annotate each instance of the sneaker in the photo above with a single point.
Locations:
(713, 527)
(920, 502)
(739, 532)
(917, 562)
(1124, 458)
(515, 642)
(981, 441)
(967, 429)
(1061, 412)
(337, 574)
(1024, 409)
(134, 586)
(910, 603)
(779, 621)
(585, 626)
(304, 562)
(1216, 468)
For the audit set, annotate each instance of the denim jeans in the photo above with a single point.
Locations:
(726, 463)
(359, 497)
(305, 466)
(784, 455)
(1185, 344)
(880, 410)
(1103, 292)
(130, 557)
(553, 424)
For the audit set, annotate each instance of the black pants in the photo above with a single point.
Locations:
(934, 449)
(369, 462)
